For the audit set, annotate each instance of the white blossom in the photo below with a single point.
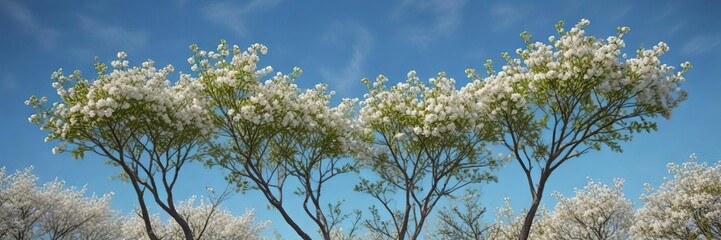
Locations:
(279, 104)
(137, 95)
(52, 211)
(596, 212)
(686, 206)
(221, 223)
(574, 56)
(507, 225)
(435, 110)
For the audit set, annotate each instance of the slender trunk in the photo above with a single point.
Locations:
(290, 221)
(417, 231)
(187, 232)
(528, 220)
(182, 222)
(404, 225)
(144, 213)
(323, 227)
(419, 226)
(319, 217)
(141, 201)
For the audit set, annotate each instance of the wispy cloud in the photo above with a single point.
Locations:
(621, 12)
(668, 11)
(233, 15)
(114, 36)
(701, 44)
(668, 16)
(181, 3)
(28, 23)
(505, 15)
(9, 82)
(444, 16)
(675, 27)
(361, 41)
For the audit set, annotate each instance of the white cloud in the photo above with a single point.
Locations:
(506, 15)
(445, 17)
(361, 41)
(114, 36)
(675, 27)
(233, 15)
(701, 44)
(28, 23)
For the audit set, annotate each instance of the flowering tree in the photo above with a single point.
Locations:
(215, 223)
(596, 212)
(137, 119)
(578, 94)
(133, 226)
(429, 142)
(206, 219)
(275, 132)
(52, 211)
(19, 208)
(687, 206)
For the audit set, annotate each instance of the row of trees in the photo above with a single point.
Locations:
(685, 206)
(53, 211)
(423, 141)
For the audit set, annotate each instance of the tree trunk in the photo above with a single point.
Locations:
(528, 220)
(187, 232)
(404, 225)
(290, 221)
(531, 214)
(144, 213)
(143, 208)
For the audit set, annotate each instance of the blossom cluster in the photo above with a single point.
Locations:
(229, 66)
(596, 212)
(575, 61)
(29, 211)
(508, 225)
(222, 223)
(132, 96)
(687, 206)
(498, 94)
(424, 110)
(277, 104)
(281, 105)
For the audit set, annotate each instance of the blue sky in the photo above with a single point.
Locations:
(339, 43)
